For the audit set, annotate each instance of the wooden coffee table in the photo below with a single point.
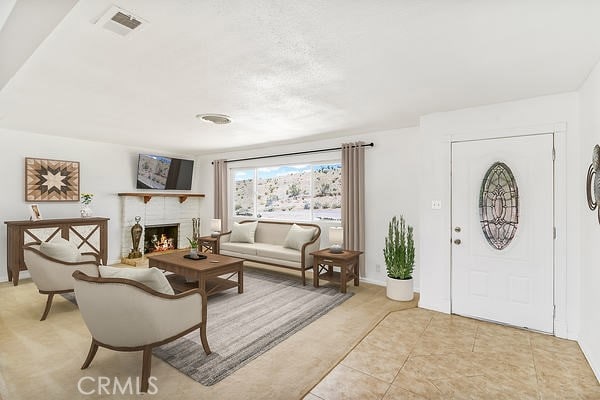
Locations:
(207, 274)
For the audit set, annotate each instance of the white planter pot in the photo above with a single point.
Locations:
(400, 289)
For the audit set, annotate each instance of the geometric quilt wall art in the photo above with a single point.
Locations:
(51, 180)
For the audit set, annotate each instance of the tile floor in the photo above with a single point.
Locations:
(420, 354)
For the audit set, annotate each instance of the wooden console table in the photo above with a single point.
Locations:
(89, 234)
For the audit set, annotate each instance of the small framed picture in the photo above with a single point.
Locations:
(34, 210)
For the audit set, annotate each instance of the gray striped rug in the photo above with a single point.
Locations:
(240, 327)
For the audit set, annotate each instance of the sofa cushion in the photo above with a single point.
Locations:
(243, 248)
(61, 249)
(297, 236)
(243, 233)
(277, 252)
(151, 277)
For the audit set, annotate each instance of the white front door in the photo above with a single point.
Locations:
(495, 278)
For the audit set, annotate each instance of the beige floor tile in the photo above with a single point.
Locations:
(311, 396)
(398, 393)
(417, 384)
(348, 384)
(483, 387)
(375, 361)
(443, 366)
(391, 340)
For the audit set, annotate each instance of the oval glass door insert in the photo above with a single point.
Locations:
(499, 206)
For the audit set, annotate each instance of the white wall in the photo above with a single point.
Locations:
(589, 338)
(105, 170)
(536, 115)
(392, 180)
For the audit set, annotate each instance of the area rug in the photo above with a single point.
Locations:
(241, 327)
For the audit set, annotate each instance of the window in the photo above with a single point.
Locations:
(289, 192)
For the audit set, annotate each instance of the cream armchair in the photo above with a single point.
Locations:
(52, 276)
(125, 315)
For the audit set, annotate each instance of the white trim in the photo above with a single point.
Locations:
(560, 207)
(372, 281)
(586, 350)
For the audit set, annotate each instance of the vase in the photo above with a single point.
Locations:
(400, 289)
(86, 211)
(193, 252)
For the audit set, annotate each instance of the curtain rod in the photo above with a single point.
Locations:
(294, 154)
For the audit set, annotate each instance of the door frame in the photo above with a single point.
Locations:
(558, 131)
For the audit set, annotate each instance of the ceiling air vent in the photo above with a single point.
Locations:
(128, 21)
(219, 119)
(120, 21)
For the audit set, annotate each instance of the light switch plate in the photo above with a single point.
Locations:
(436, 204)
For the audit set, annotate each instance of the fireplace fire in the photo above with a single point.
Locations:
(160, 238)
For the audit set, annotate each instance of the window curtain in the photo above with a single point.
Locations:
(220, 190)
(353, 198)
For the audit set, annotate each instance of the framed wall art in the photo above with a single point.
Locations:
(51, 180)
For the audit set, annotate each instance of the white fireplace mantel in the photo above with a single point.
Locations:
(161, 210)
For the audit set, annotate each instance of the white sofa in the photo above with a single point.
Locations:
(268, 246)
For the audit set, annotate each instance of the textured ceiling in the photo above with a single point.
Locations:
(288, 71)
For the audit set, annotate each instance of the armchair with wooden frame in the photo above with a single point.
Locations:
(125, 315)
(53, 276)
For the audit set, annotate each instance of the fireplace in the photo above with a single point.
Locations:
(160, 237)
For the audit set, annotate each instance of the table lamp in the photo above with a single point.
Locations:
(215, 227)
(336, 238)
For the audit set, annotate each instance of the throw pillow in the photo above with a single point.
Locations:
(151, 277)
(243, 233)
(61, 249)
(297, 236)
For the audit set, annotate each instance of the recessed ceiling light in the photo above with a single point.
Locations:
(219, 119)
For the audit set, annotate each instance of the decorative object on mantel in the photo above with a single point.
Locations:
(51, 180)
(215, 227)
(34, 210)
(86, 200)
(195, 229)
(399, 255)
(336, 239)
(148, 196)
(592, 184)
(136, 235)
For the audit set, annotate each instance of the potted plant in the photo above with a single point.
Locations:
(193, 247)
(86, 210)
(399, 254)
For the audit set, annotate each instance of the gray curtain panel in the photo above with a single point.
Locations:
(353, 198)
(220, 190)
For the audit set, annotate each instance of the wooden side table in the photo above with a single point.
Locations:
(209, 244)
(347, 261)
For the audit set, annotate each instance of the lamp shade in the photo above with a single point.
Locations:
(336, 235)
(215, 225)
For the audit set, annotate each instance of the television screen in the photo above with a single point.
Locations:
(164, 173)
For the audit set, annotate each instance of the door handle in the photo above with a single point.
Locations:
(457, 241)
(457, 229)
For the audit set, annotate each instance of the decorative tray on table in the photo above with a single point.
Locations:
(198, 257)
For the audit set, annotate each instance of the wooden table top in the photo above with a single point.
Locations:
(345, 255)
(212, 261)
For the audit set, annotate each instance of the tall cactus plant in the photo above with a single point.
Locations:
(399, 251)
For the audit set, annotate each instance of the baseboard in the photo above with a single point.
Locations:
(372, 281)
(593, 363)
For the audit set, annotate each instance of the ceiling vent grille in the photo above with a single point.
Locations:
(121, 22)
(127, 21)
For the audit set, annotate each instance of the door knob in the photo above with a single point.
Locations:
(457, 229)
(457, 241)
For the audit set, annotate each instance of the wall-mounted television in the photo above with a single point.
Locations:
(164, 173)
